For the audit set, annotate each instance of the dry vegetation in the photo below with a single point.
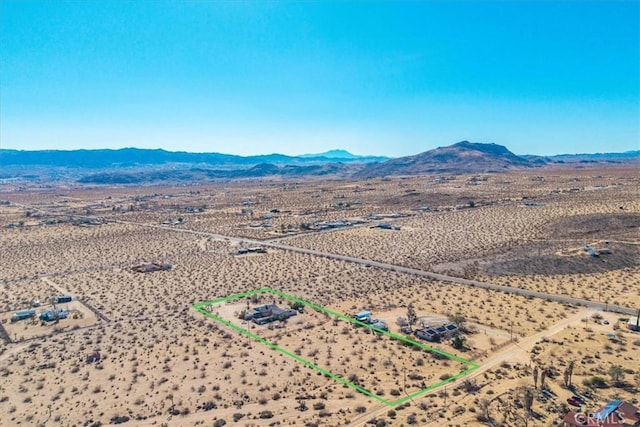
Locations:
(164, 363)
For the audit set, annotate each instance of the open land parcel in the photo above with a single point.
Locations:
(164, 362)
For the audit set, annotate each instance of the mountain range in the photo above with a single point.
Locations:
(127, 157)
(138, 166)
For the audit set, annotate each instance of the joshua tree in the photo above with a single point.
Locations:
(302, 405)
(543, 376)
(412, 317)
(458, 320)
(535, 377)
(616, 372)
(458, 342)
(568, 373)
(528, 400)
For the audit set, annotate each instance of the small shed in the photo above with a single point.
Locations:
(22, 315)
(363, 316)
(51, 315)
(62, 299)
(379, 324)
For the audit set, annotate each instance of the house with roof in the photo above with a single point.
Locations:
(428, 334)
(268, 313)
(437, 333)
(616, 413)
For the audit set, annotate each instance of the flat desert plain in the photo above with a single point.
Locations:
(538, 270)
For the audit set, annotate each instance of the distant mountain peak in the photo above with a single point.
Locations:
(490, 147)
(333, 154)
(462, 157)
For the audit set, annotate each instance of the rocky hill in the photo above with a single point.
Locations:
(463, 157)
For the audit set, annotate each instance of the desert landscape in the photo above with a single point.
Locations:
(538, 269)
(319, 213)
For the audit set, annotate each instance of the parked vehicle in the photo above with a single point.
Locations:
(573, 401)
(579, 399)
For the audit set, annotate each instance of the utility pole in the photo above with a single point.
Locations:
(404, 384)
(445, 395)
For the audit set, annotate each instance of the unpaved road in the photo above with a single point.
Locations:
(519, 349)
(405, 270)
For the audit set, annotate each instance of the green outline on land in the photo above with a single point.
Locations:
(200, 307)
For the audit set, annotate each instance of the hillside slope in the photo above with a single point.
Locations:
(463, 157)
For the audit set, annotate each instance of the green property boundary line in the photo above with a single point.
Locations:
(200, 307)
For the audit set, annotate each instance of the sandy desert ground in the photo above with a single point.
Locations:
(164, 363)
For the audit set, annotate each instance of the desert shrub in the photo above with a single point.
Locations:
(266, 414)
(595, 382)
(459, 410)
(208, 406)
(119, 419)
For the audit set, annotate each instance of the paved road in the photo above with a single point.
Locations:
(407, 270)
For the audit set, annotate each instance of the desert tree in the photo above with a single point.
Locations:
(543, 376)
(535, 376)
(470, 386)
(459, 320)
(616, 372)
(526, 416)
(458, 342)
(506, 409)
(568, 373)
(485, 412)
(528, 397)
(412, 317)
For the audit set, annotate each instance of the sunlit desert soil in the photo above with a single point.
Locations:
(164, 363)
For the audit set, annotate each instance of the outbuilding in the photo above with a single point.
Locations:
(363, 316)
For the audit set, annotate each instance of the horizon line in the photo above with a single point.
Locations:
(321, 154)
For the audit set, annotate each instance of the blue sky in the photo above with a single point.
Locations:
(373, 77)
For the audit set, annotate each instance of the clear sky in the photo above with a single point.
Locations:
(373, 77)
